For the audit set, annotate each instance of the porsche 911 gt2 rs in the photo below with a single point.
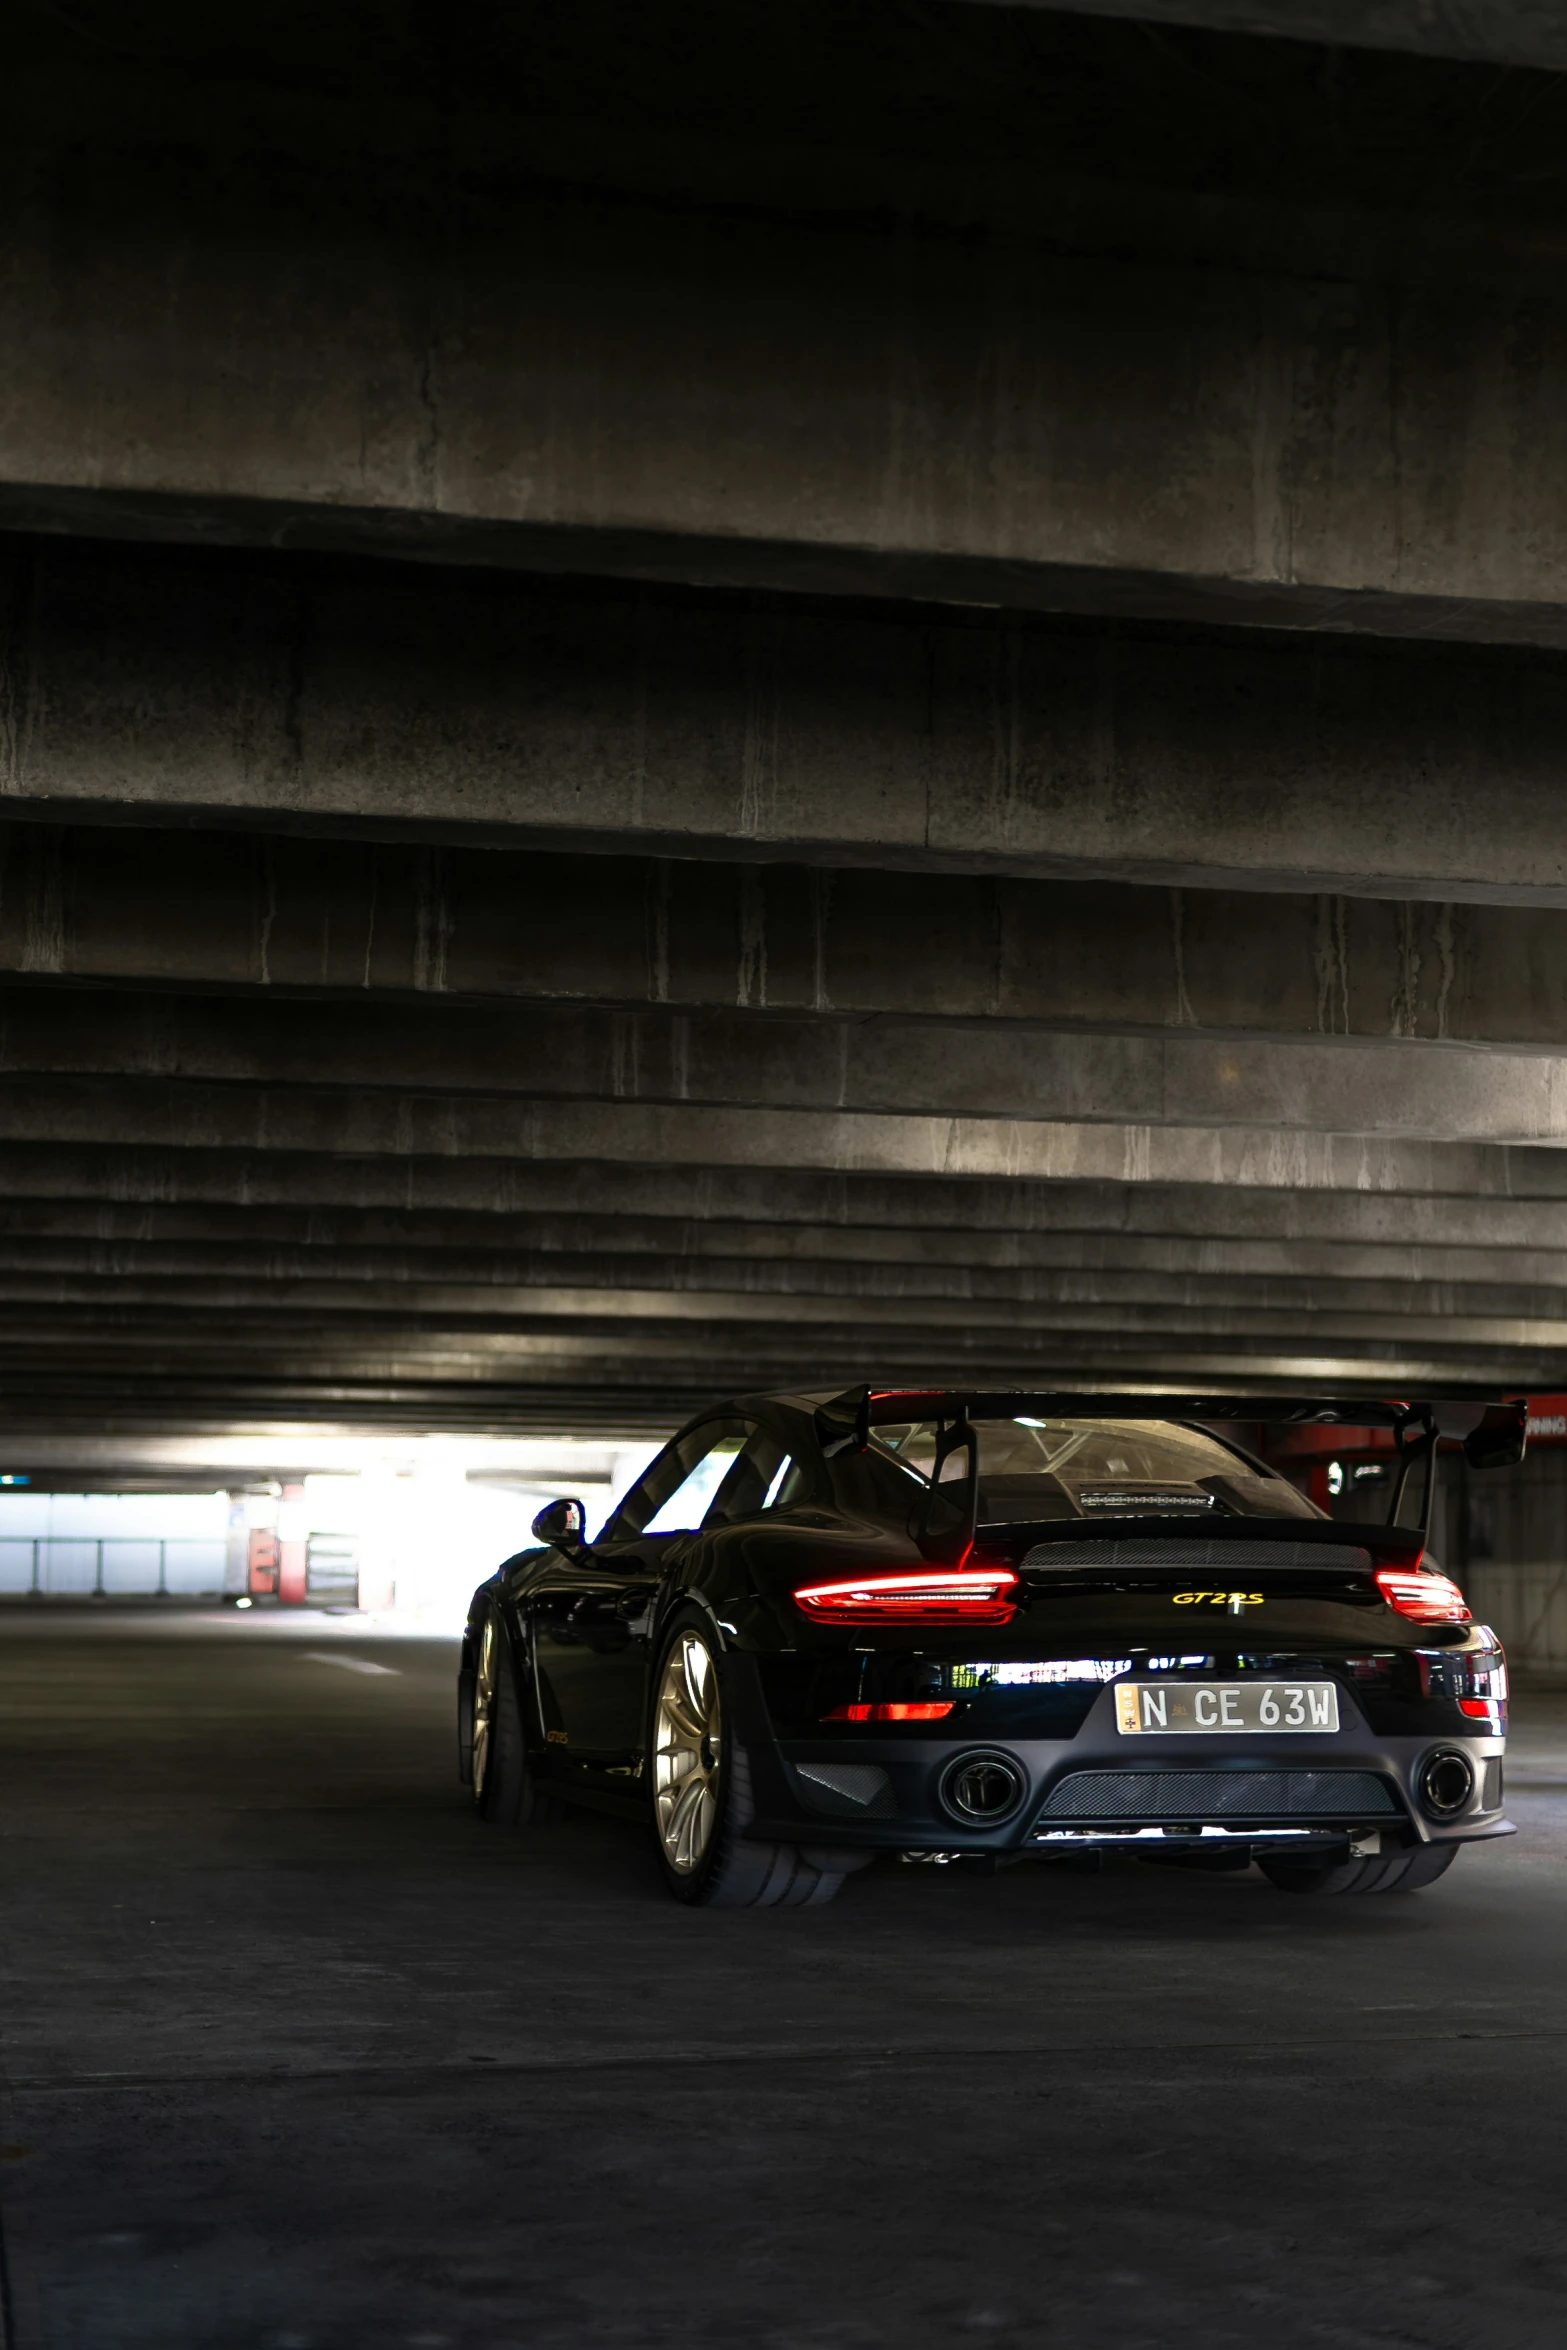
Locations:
(996, 1627)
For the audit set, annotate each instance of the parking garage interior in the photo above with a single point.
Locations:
(708, 699)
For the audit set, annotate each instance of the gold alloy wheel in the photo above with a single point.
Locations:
(687, 1752)
(483, 1708)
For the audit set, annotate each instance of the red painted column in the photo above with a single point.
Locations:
(291, 1554)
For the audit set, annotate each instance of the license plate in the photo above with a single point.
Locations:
(1163, 1708)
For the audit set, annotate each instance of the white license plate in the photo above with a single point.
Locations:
(1163, 1708)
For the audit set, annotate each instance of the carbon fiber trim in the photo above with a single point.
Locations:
(846, 1791)
(1219, 1795)
(1184, 1552)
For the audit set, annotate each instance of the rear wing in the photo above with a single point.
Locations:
(1492, 1430)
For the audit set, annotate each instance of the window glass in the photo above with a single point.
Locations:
(1094, 1468)
(672, 1494)
(790, 1484)
(763, 1478)
(873, 1483)
(657, 1481)
(688, 1505)
(1074, 1448)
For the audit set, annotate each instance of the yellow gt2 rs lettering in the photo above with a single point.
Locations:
(1235, 1599)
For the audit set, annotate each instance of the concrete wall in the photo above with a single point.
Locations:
(1511, 1533)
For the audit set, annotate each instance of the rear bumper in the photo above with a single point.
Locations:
(1087, 1794)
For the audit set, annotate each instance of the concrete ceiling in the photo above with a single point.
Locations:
(694, 699)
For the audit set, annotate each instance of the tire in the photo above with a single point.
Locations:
(1397, 1872)
(701, 1790)
(505, 1791)
(466, 1680)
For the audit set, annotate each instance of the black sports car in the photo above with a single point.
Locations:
(997, 1627)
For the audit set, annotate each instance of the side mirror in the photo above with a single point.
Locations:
(563, 1524)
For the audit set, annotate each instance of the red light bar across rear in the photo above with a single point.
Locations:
(966, 1595)
(1424, 1597)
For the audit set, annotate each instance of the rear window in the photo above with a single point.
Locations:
(1033, 1469)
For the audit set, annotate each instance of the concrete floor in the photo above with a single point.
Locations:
(298, 2057)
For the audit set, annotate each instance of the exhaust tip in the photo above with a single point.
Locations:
(982, 1787)
(1444, 1783)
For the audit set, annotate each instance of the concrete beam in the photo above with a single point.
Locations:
(288, 1413)
(980, 1304)
(285, 1404)
(114, 1113)
(328, 1334)
(239, 911)
(1246, 1290)
(985, 305)
(369, 1246)
(521, 1063)
(139, 1363)
(1519, 1202)
(172, 687)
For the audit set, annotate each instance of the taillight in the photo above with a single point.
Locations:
(970, 1595)
(1423, 1597)
(890, 1713)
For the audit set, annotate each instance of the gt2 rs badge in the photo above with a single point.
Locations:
(1233, 1600)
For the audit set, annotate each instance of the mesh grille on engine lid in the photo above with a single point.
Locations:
(1217, 1557)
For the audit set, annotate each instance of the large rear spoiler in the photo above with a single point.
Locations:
(1492, 1430)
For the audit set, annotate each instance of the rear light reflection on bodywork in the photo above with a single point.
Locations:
(890, 1713)
(1473, 1680)
(1424, 1597)
(1487, 1701)
(970, 1595)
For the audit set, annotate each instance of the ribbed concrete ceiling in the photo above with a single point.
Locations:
(649, 745)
